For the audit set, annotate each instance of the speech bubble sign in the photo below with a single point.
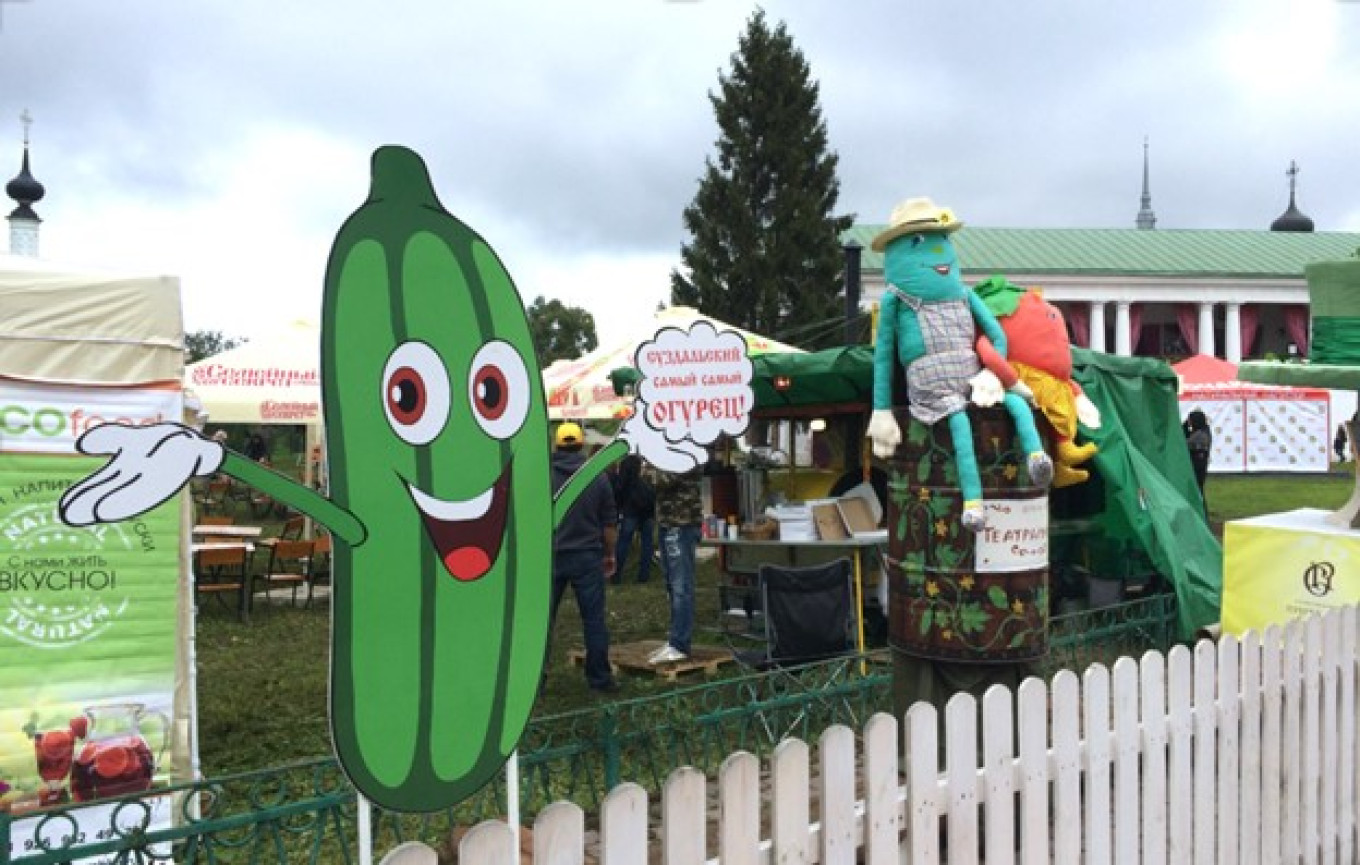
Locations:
(695, 387)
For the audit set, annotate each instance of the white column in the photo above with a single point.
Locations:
(1097, 325)
(1206, 329)
(1123, 344)
(1232, 332)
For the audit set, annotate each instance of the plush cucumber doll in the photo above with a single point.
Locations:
(928, 321)
(441, 506)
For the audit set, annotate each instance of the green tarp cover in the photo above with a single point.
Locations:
(1150, 491)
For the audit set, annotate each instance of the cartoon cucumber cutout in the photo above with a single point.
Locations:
(438, 436)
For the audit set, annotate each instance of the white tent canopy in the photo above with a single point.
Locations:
(274, 379)
(88, 328)
(581, 389)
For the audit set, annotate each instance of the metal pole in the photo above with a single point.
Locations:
(852, 252)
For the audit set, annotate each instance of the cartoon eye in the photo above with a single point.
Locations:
(918, 239)
(415, 393)
(498, 388)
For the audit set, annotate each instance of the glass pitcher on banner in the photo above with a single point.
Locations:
(116, 758)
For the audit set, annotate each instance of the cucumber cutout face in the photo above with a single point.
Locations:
(437, 433)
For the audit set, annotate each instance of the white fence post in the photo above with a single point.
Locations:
(882, 810)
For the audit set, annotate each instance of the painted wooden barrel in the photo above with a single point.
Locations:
(955, 595)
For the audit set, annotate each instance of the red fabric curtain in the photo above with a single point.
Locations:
(1249, 317)
(1135, 327)
(1078, 317)
(1187, 318)
(1296, 326)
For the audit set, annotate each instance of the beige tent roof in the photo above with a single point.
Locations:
(274, 379)
(65, 326)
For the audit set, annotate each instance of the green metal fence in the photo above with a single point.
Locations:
(305, 812)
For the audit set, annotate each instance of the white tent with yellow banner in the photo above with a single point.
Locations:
(582, 390)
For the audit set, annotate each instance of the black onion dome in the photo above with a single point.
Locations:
(25, 189)
(1292, 219)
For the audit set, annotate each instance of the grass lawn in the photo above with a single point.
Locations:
(262, 686)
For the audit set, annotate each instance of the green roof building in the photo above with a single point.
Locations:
(1235, 294)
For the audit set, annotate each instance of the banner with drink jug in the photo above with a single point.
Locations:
(88, 618)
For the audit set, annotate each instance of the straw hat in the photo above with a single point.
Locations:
(916, 214)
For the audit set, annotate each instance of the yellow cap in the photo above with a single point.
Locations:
(569, 434)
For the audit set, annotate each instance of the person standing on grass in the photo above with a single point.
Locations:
(637, 515)
(1339, 443)
(1200, 440)
(680, 513)
(583, 553)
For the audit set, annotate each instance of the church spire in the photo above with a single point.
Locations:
(1146, 218)
(26, 191)
(1292, 219)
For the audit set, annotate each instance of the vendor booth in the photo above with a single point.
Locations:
(96, 624)
(1257, 427)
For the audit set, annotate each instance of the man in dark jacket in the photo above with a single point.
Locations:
(583, 552)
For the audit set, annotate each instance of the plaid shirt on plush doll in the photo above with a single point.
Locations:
(927, 323)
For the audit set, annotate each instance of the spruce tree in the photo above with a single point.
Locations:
(765, 252)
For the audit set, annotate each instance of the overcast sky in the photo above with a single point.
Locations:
(225, 141)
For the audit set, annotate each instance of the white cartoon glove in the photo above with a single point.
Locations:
(1087, 412)
(884, 432)
(149, 465)
(987, 389)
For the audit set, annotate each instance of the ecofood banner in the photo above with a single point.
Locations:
(87, 615)
(48, 419)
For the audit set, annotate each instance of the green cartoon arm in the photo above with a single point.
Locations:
(584, 477)
(341, 523)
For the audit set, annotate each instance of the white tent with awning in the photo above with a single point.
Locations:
(274, 379)
(581, 389)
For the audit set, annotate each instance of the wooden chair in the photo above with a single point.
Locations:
(218, 498)
(290, 564)
(293, 527)
(321, 564)
(220, 571)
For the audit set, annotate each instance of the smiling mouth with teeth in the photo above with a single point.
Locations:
(942, 269)
(467, 534)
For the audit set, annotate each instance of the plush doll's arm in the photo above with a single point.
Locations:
(885, 350)
(987, 323)
(996, 362)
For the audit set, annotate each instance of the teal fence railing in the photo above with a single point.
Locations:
(305, 812)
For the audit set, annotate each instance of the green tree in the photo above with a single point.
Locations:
(560, 331)
(765, 248)
(206, 343)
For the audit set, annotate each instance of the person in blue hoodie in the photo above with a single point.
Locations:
(583, 552)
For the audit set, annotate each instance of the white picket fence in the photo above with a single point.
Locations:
(1238, 752)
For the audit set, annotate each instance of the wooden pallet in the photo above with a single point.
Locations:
(633, 658)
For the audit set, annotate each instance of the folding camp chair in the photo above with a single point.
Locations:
(810, 617)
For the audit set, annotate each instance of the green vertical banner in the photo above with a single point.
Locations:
(87, 641)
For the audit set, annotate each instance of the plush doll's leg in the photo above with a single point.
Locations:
(970, 482)
(1039, 465)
